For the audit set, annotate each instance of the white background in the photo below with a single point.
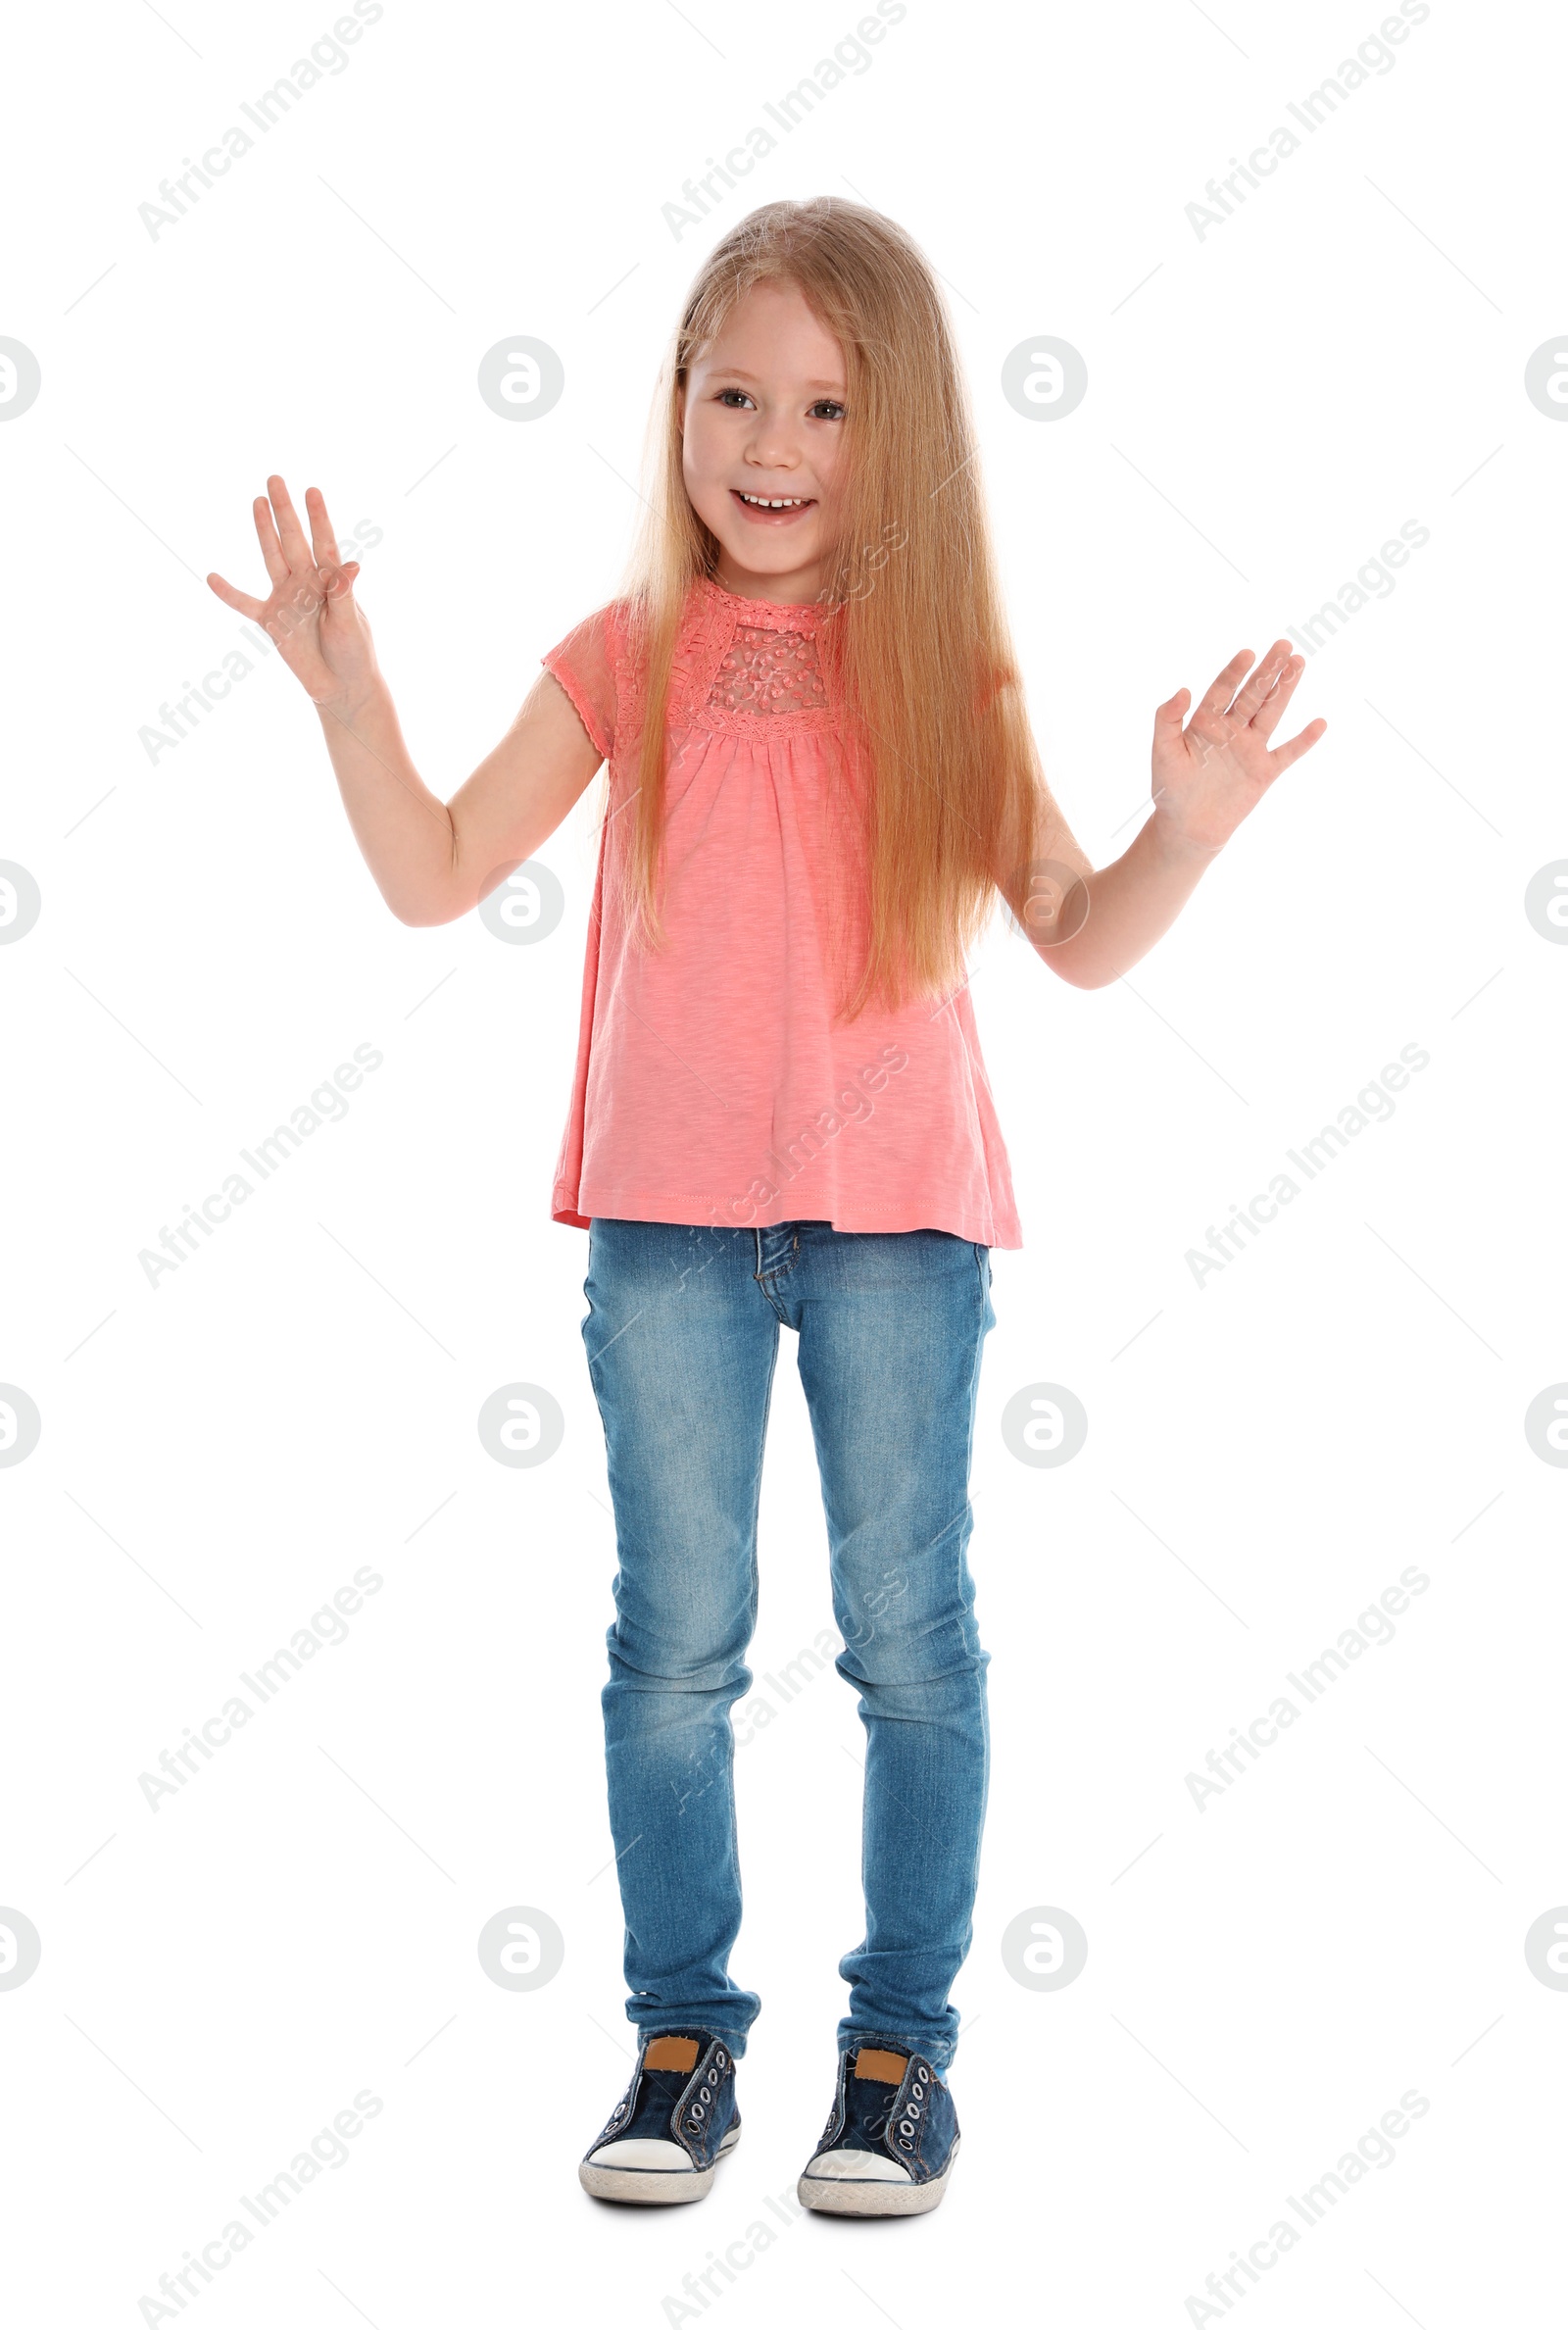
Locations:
(1266, 1976)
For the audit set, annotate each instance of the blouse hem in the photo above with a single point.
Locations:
(1004, 1238)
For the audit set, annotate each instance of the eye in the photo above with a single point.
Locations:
(835, 409)
(725, 392)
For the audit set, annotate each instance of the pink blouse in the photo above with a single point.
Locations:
(713, 1084)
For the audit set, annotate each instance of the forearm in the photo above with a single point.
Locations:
(1132, 903)
(404, 833)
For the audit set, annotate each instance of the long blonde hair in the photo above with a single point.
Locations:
(914, 643)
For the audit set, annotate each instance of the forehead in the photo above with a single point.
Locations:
(771, 334)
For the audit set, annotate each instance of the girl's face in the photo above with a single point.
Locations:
(763, 421)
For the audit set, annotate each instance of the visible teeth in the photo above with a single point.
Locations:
(797, 504)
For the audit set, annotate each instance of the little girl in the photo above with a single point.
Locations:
(820, 775)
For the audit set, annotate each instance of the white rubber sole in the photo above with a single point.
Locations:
(653, 2186)
(873, 2195)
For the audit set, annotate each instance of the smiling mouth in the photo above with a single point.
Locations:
(773, 505)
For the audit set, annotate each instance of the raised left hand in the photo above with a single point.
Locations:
(1214, 771)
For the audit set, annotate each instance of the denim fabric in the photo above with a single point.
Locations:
(683, 1336)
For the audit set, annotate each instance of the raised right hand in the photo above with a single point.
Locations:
(310, 615)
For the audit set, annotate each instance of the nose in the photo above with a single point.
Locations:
(772, 445)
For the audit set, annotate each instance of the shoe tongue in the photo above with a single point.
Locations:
(880, 2063)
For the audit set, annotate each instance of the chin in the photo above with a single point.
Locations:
(767, 553)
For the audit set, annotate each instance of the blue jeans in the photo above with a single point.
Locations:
(683, 1336)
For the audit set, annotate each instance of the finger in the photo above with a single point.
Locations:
(341, 581)
(1266, 719)
(1170, 715)
(295, 547)
(1217, 698)
(250, 607)
(267, 534)
(1285, 754)
(1262, 680)
(322, 539)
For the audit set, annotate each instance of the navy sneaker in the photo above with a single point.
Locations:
(674, 2125)
(890, 2138)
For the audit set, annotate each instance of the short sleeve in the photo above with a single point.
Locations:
(585, 665)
